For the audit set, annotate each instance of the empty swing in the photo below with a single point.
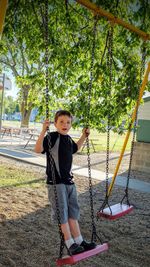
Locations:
(120, 209)
(69, 259)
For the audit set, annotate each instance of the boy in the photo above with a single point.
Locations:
(62, 148)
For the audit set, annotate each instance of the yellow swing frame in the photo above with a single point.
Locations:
(3, 8)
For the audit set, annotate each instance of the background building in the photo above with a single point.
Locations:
(141, 155)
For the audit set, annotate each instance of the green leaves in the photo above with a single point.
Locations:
(22, 50)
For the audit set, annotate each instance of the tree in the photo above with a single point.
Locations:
(16, 55)
(22, 51)
(10, 105)
(117, 102)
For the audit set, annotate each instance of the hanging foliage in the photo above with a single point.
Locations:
(22, 51)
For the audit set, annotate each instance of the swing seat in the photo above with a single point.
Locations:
(69, 260)
(118, 210)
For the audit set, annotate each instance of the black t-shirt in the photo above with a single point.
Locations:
(62, 148)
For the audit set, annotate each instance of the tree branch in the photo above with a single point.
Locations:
(11, 53)
(24, 60)
(10, 66)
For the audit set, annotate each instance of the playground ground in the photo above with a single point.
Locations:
(29, 239)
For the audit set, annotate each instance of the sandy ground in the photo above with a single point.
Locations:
(29, 239)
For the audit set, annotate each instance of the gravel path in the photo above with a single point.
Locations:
(29, 239)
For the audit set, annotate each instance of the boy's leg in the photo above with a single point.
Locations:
(73, 212)
(74, 228)
(66, 231)
(75, 231)
(67, 234)
(73, 247)
(62, 196)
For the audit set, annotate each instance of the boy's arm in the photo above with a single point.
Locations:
(85, 133)
(39, 143)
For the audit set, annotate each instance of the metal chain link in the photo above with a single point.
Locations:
(110, 60)
(46, 60)
(62, 243)
(94, 236)
(109, 63)
(142, 68)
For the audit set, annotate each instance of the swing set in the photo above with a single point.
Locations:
(118, 210)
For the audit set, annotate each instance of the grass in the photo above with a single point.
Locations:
(11, 176)
(100, 141)
(116, 142)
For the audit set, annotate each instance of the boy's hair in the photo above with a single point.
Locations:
(62, 113)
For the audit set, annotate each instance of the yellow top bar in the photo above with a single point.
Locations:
(3, 7)
(111, 17)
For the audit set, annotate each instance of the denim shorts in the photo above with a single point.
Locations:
(67, 202)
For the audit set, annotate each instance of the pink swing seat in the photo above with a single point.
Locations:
(70, 260)
(116, 211)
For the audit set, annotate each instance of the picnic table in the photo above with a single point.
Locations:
(32, 136)
(16, 132)
(10, 131)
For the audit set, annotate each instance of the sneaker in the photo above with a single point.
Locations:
(88, 246)
(75, 249)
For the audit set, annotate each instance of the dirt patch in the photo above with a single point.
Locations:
(29, 239)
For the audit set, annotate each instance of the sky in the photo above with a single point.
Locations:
(14, 90)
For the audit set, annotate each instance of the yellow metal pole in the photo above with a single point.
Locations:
(3, 7)
(145, 80)
(111, 17)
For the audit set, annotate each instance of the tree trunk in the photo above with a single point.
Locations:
(26, 107)
(25, 118)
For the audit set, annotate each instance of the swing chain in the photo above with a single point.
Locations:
(142, 68)
(109, 63)
(110, 60)
(46, 60)
(62, 243)
(94, 235)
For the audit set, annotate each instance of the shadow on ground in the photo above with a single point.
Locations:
(29, 239)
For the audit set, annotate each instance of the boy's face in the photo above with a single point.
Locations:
(63, 124)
